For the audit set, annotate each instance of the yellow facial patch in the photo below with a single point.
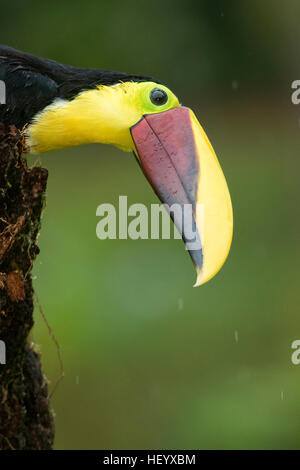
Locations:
(104, 114)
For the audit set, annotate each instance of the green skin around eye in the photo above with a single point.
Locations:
(149, 107)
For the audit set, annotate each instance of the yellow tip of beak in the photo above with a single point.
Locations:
(199, 280)
(214, 215)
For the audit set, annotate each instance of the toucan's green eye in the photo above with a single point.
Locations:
(158, 97)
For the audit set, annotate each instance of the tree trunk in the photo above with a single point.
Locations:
(25, 419)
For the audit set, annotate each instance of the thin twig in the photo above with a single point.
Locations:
(52, 336)
(8, 442)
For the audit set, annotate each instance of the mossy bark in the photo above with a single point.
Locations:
(25, 419)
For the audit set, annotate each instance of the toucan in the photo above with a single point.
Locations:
(60, 106)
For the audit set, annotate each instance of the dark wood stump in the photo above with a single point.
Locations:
(25, 419)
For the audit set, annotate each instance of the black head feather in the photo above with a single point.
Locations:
(32, 83)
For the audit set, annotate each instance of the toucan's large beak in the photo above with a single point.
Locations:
(181, 166)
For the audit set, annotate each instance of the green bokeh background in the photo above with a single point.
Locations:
(149, 361)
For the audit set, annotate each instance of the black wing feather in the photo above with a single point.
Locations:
(33, 83)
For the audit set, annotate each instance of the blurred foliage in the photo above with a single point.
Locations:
(149, 361)
(191, 45)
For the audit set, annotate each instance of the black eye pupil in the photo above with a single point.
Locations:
(158, 97)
